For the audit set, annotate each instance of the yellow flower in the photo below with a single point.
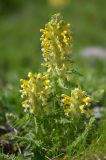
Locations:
(39, 75)
(71, 102)
(86, 100)
(32, 109)
(25, 104)
(81, 107)
(68, 110)
(46, 82)
(66, 99)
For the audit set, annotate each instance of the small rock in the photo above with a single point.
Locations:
(95, 52)
(98, 112)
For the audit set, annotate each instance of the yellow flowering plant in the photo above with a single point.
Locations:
(56, 43)
(58, 111)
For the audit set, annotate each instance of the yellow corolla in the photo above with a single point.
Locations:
(81, 107)
(68, 110)
(86, 100)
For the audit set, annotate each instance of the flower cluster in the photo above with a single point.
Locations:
(35, 91)
(56, 42)
(78, 101)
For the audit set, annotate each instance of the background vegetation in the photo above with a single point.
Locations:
(20, 22)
